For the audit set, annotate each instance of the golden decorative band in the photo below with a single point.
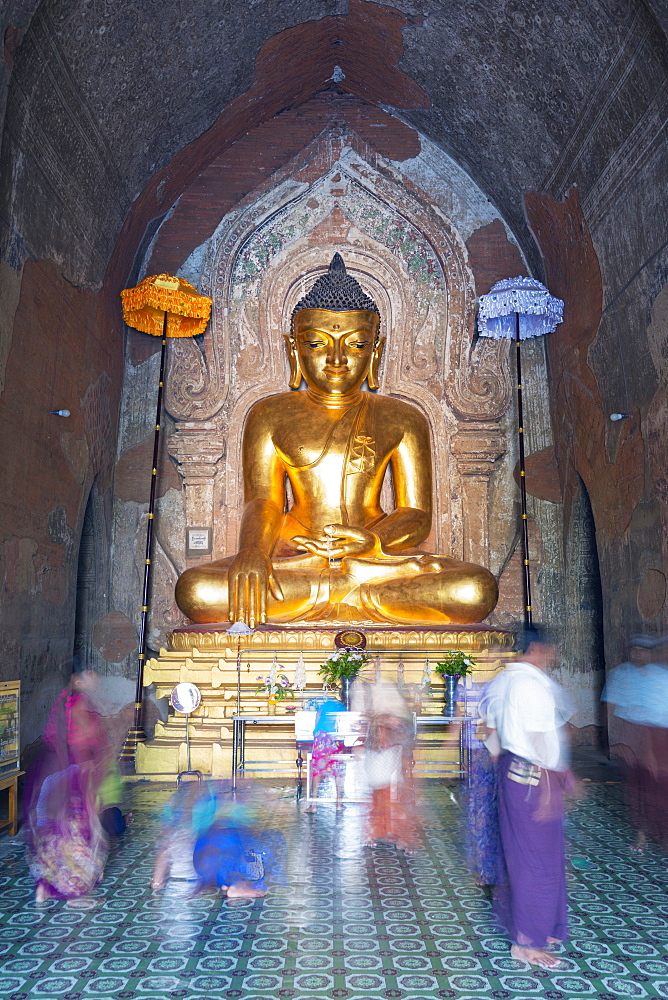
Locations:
(408, 640)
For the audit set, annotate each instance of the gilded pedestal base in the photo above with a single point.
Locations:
(209, 659)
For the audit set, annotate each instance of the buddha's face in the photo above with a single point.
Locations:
(335, 349)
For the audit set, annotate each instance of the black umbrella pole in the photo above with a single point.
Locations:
(523, 488)
(136, 734)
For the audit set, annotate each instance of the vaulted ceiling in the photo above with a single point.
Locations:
(102, 96)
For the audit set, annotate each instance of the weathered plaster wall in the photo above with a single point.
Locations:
(613, 462)
(58, 356)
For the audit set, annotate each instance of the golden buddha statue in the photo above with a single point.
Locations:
(335, 555)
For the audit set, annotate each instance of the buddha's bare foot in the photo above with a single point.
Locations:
(311, 809)
(242, 891)
(534, 956)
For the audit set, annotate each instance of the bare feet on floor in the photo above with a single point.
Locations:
(41, 893)
(640, 842)
(534, 956)
(242, 891)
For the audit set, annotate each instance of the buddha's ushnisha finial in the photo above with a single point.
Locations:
(336, 291)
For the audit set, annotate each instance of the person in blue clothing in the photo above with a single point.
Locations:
(215, 837)
(638, 692)
(326, 747)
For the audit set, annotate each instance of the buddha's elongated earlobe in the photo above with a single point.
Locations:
(372, 378)
(295, 368)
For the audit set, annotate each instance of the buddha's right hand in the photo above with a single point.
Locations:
(250, 577)
(340, 540)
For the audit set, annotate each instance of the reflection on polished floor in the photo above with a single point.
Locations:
(351, 922)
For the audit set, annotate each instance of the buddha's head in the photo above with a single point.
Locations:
(335, 343)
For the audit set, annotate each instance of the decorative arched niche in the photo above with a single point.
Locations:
(408, 257)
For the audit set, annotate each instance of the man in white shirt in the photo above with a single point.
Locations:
(528, 710)
(638, 692)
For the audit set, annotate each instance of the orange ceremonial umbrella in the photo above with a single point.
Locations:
(161, 306)
(166, 307)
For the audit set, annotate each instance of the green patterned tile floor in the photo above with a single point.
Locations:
(350, 923)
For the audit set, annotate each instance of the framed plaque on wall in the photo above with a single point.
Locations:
(198, 541)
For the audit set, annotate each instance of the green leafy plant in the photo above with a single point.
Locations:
(279, 690)
(455, 663)
(342, 663)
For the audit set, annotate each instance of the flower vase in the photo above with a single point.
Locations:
(346, 684)
(272, 702)
(450, 682)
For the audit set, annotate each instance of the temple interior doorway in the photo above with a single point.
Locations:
(585, 648)
(91, 589)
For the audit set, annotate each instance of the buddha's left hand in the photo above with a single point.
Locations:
(339, 541)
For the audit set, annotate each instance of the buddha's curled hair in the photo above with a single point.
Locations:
(337, 291)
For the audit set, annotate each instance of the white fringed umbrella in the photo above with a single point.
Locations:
(520, 309)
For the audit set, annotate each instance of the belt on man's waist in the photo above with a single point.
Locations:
(523, 771)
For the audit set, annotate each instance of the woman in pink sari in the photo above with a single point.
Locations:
(66, 843)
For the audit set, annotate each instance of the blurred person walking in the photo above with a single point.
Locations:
(326, 750)
(66, 843)
(657, 721)
(388, 765)
(626, 690)
(237, 850)
(214, 837)
(528, 710)
(638, 691)
(190, 810)
(483, 841)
